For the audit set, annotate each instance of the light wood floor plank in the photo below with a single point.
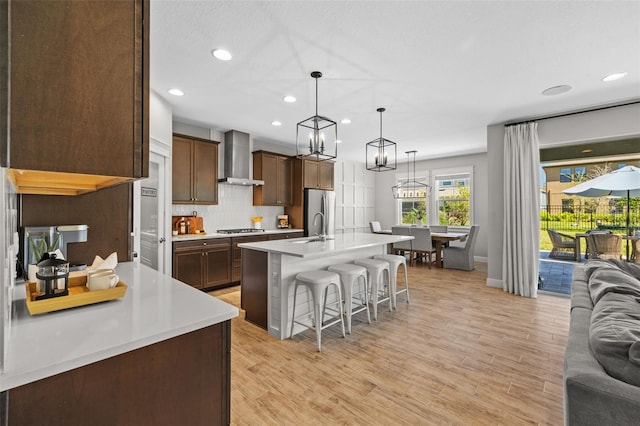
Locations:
(460, 353)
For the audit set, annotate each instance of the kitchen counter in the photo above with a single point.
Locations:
(155, 308)
(308, 248)
(269, 269)
(190, 237)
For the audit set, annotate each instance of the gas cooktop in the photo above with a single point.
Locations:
(239, 231)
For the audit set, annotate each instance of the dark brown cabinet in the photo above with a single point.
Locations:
(236, 273)
(317, 174)
(194, 170)
(203, 264)
(285, 236)
(192, 371)
(275, 171)
(78, 91)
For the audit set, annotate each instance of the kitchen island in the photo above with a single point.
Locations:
(160, 355)
(269, 269)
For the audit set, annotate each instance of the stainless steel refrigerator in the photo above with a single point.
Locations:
(317, 200)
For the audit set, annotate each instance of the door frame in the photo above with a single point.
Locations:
(162, 150)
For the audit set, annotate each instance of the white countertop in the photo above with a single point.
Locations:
(300, 247)
(190, 237)
(155, 307)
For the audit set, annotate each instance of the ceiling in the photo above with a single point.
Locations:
(443, 70)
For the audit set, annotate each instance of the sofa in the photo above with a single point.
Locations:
(602, 358)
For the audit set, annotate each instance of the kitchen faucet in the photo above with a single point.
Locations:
(323, 224)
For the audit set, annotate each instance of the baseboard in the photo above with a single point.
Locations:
(480, 259)
(492, 282)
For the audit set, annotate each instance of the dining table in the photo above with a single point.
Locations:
(442, 238)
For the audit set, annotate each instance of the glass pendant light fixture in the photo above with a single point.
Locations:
(381, 152)
(410, 188)
(316, 136)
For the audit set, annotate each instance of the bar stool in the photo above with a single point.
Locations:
(318, 283)
(376, 272)
(350, 274)
(394, 263)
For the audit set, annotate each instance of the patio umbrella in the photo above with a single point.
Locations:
(624, 182)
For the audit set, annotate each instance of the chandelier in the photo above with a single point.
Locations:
(410, 188)
(316, 136)
(381, 153)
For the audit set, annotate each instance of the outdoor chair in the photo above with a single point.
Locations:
(462, 257)
(605, 246)
(564, 246)
(635, 250)
(589, 253)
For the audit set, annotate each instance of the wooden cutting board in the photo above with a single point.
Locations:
(195, 223)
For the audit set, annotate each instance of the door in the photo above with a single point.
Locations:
(150, 214)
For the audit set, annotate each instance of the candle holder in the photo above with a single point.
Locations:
(320, 132)
(381, 153)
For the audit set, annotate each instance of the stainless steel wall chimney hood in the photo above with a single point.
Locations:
(237, 156)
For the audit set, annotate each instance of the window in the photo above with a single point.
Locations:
(567, 205)
(565, 174)
(413, 207)
(621, 165)
(579, 174)
(452, 199)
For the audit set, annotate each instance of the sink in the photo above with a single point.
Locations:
(311, 240)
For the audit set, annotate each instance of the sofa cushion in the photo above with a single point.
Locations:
(614, 335)
(612, 280)
(594, 264)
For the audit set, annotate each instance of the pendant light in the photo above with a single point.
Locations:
(316, 136)
(410, 188)
(381, 153)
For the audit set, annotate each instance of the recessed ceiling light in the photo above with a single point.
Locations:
(289, 99)
(556, 90)
(221, 54)
(614, 76)
(176, 92)
(276, 123)
(587, 151)
(345, 121)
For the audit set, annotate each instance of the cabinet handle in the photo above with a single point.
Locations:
(204, 244)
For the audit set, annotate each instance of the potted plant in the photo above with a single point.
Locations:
(420, 215)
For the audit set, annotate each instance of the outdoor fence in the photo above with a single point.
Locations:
(583, 218)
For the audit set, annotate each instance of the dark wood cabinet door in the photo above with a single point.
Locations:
(181, 170)
(188, 267)
(270, 177)
(236, 269)
(284, 181)
(205, 172)
(79, 86)
(310, 170)
(218, 265)
(326, 175)
(254, 288)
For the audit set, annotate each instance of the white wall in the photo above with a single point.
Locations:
(386, 205)
(601, 125)
(355, 197)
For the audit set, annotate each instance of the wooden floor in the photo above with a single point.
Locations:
(458, 353)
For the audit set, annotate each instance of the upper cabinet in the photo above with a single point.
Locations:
(275, 171)
(317, 174)
(194, 170)
(76, 84)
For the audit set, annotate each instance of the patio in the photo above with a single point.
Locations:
(556, 274)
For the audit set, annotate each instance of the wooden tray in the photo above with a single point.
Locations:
(79, 295)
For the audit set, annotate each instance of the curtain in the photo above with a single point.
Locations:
(521, 236)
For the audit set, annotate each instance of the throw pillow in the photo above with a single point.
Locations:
(608, 280)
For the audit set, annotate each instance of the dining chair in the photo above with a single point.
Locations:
(375, 226)
(462, 257)
(438, 228)
(403, 248)
(422, 244)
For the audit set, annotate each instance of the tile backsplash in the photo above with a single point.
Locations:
(234, 210)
